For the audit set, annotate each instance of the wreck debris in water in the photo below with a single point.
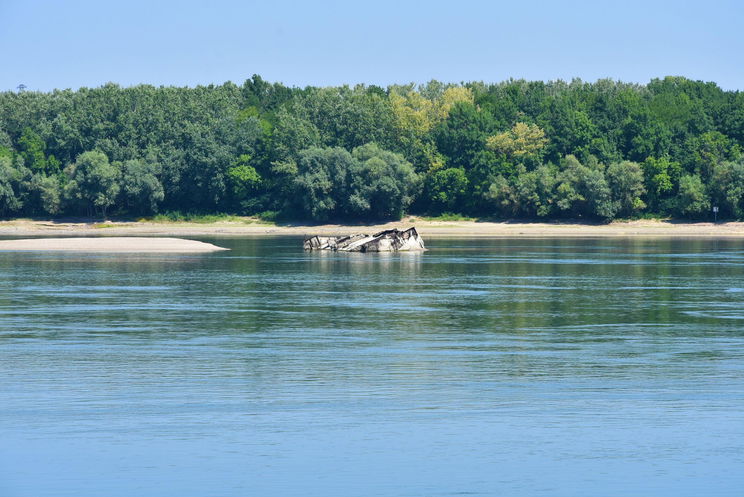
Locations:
(385, 241)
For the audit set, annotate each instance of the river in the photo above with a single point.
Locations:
(551, 367)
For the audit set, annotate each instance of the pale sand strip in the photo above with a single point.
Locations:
(427, 229)
(127, 244)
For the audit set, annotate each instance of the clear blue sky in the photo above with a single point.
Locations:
(73, 43)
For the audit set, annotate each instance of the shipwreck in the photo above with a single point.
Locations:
(385, 241)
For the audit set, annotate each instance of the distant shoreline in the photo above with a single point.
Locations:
(427, 228)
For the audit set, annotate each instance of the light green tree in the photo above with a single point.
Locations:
(692, 199)
(521, 141)
(583, 190)
(9, 178)
(244, 182)
(46, 194)
(625, 180)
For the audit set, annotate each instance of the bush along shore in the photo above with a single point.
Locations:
(526, 149)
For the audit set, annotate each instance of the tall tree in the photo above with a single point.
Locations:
(140, 187)
(382, 183)
(93, 182)
(625, 180)
(9, 178)
(692, 199)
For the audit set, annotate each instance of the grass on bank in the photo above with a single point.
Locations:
(273, 217)
(449, 216)
(180, 217)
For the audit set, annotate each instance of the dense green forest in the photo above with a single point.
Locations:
(516, 149)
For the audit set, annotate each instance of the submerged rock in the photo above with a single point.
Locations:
(385, 241)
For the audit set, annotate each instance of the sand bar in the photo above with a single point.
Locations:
(139, 245)
(427, 228)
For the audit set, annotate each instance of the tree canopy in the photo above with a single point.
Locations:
(527, 149)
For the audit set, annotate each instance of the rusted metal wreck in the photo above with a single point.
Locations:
(385, 241)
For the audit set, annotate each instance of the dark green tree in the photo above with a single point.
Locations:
(382, 183)
(140, 189)
(661, 177)
(321, 186)
(727, 188)
(446, 190)
(93, 182)
(32, 149)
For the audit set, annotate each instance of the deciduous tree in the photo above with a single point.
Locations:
(93, 182)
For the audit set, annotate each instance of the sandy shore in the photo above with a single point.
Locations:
(109, 244)
(427, 228)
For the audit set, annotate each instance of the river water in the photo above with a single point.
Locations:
(558, 367)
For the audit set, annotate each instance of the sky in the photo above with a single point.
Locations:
(72, 43)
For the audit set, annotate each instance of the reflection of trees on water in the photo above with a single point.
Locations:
(503, 307)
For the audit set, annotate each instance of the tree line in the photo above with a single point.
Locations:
(524, 149)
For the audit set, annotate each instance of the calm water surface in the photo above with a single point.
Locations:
(482, 367)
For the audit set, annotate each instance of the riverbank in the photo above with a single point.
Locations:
(427, 228)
